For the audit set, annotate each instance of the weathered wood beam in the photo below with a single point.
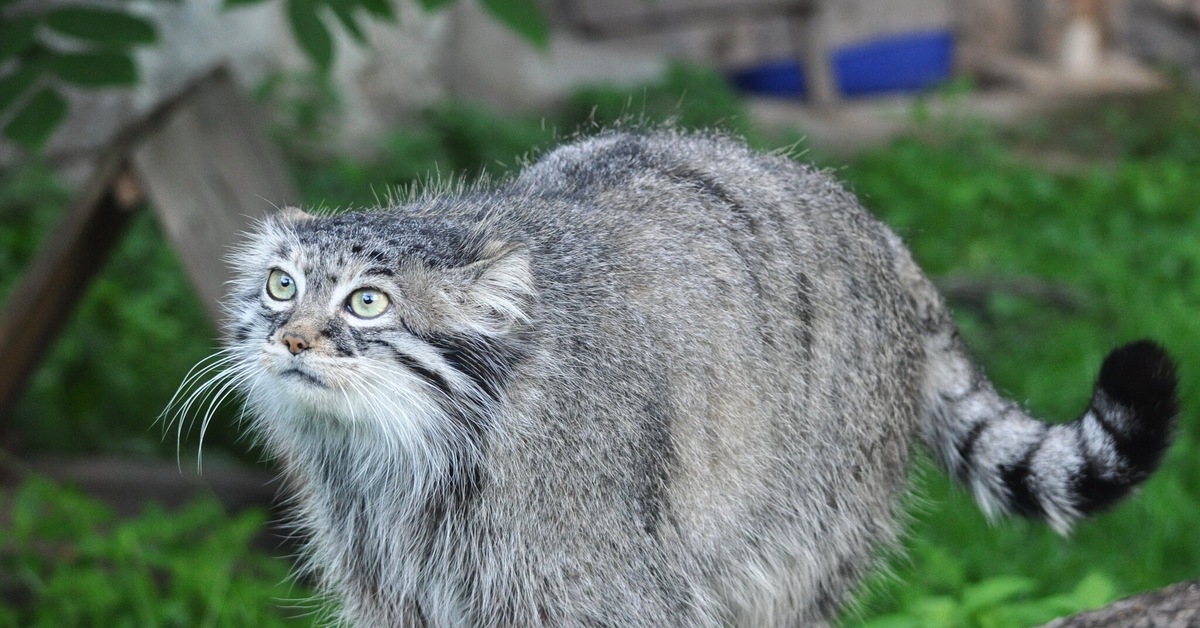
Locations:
(209, 172)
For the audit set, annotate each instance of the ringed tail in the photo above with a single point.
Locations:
(1014, 463)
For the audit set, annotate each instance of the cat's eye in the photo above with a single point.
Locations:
(367, 303)
(281, 286)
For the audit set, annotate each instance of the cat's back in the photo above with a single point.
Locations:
(707, 318)
(727, 249)
(660, 197)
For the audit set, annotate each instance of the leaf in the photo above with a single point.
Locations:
(13, 85)
(344, 10)
(379, 8)
(523, 17)
(1094, 590)
(15, 36)
(937, 610)
(310, 32)
(37, 119)
(101, 26)
(233, 4)
(94, 69)
(995, 591)
(433, 5)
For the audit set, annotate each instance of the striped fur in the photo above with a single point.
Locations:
(1057, 472)
(657, 379)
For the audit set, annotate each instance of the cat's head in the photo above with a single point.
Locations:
(375, 320)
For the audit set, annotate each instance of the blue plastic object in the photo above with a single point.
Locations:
(896, 63)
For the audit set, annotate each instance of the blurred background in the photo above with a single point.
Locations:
(1040, 157)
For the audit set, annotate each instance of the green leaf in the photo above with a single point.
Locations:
(995, 591)
(94, 69)
(233, 4)
(1094, 590)
(37, 119)
(101, 26)
(15, 36)
(13, 85)
(310, 32)
(524, 17)
(433, 5)
(344, 10)
(379, 8)
(937, 610)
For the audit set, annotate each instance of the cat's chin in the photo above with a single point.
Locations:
(292, 395)
(309, 401)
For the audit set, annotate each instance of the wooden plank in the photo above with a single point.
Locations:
(43, 299)
(209, 171)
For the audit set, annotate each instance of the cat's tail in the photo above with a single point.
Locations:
(1057, 472)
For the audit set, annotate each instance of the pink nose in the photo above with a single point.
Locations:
(295, 342)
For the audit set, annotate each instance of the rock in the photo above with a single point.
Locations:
(1177, 606)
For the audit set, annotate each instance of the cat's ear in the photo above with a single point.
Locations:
(500, 290)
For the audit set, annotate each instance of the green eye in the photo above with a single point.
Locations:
(367, 303)
(281, 286)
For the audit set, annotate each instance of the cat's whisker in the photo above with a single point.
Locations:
(202, 392)
(200, 370)
(193, 390)
(233, 380)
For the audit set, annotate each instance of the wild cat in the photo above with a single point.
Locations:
(656, 379)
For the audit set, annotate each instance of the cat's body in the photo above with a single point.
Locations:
(654, 380)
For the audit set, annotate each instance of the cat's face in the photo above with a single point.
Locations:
(372, 322)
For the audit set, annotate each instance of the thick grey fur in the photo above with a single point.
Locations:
(657, 379)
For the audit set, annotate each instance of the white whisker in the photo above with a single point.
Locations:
(200, 380)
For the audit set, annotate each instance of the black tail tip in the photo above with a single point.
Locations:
(1142, 376)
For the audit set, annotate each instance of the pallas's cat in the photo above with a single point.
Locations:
(657, 379)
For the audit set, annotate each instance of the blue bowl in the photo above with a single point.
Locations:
(896, 63)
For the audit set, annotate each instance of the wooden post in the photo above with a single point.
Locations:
(1081, 46)
(209, 172)
(814, 55)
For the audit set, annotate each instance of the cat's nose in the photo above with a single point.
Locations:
(295, 342)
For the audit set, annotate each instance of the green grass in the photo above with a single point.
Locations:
(1121, 230)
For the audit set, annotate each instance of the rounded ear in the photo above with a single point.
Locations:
(500, 290)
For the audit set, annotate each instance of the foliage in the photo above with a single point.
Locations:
(310, 21)
(995, 601)
(92, 47)
(67, 560)
(82, 46)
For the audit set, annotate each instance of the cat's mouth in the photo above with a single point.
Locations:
(303, 376)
